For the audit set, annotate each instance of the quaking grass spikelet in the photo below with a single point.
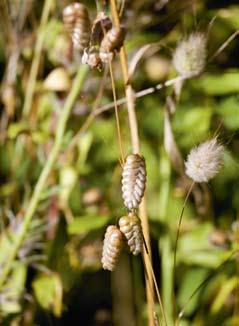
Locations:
(101, 25)
(133, 180)
(204, 161)
(112, 246)
(112, 42)
(130, 226)
(77, 23)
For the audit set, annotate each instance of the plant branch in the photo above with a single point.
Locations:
(130, 100)
(139, 94)
(41, 183)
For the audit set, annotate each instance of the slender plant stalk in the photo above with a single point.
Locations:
(36, 59)
(136, 149)
(176, 242)
(116, 114)
(41, 183)
(92, 115)
(165, 244)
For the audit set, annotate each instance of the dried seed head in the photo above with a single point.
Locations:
(77, 23)
(112, 41)
(130, 226)
(189, 58)
(91, 58)
(112, 246)
(133, 180)
(101, 25)
(204, 161)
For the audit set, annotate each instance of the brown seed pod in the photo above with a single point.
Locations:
(112, 41)
(133, 180)
(130, 226)
(91, 58)
(77, 23)
(112, 246)
(101, 25)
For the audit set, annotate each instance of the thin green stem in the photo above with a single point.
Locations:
(176, 242)
(165, 244)
(36, 196)
(36, 59)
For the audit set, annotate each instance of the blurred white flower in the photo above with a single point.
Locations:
(189, 58)
(204, 161)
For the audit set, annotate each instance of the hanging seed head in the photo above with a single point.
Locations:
(91, 58)
(130, 226)
(112, 41)
(133, 180)
(189, 58)
(77, 23)
(112, 246)
(101, 25)
(204, 161)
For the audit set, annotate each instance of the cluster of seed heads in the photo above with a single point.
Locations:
(133, 180)
(129, 226)
(128, 231)
(98, 42)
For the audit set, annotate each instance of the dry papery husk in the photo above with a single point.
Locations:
(58, 80)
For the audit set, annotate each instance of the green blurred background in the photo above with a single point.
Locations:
(57, 278)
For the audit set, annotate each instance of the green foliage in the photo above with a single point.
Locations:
(58, 265)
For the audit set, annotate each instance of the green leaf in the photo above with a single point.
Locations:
(195, 248)
(192, 124)
(17, 128)
(229, 111)
(48, 291)
(85, 224)
(226, 288)
(222, 84)
(231, 15)
(12, 292)
(191, 280)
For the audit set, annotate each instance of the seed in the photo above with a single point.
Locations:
(112, 246)
(189, 58)
(204, 161)
(91, 58)
(112, 41)
(101, 25)
(130, 226)
(77, 23)
(133, 180)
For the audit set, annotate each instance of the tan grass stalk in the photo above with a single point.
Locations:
(136, 149)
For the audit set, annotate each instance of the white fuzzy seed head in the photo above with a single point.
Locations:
(189, 58)
(204, 161)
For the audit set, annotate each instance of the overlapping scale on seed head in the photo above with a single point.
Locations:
(77, 23)
(112, 41)
(112, 246)
(130, 226)
(133, 180)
